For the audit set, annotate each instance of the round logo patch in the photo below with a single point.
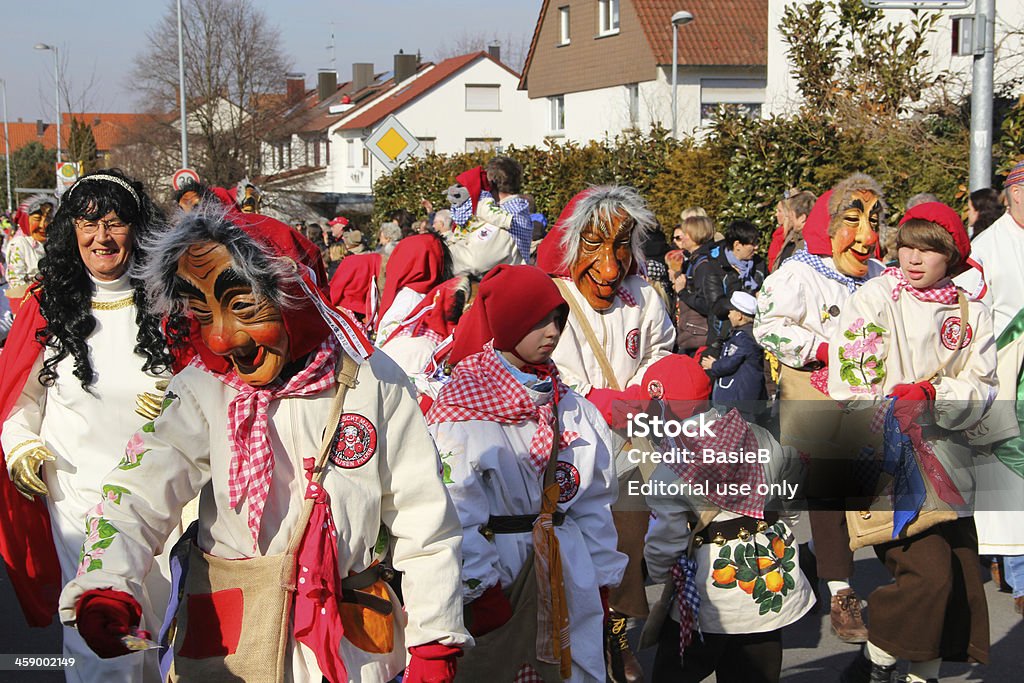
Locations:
(950, 333)
(568, 479)
(355, 442)
(655, 389)
(633, 343)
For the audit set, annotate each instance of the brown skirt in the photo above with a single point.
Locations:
(936, 605)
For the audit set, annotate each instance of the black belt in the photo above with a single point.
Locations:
(516, 524)
(352, 588)
(742, 528)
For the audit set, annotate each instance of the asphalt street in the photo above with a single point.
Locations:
(811, 655)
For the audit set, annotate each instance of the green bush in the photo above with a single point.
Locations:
(740, 170)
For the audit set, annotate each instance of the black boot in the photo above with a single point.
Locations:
(863, 670)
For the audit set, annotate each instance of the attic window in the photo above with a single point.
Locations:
(607, 17)
(563, 26)
(483, 98)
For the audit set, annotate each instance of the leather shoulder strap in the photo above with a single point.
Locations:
(588, 334)
(346, 378)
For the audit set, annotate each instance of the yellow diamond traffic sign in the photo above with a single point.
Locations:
(391, 143)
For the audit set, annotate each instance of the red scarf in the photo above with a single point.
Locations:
(252, 459)
(317, 619)
(943, 294)
(483, 389)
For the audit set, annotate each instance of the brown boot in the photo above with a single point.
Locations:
(847, 623)
(623, 664)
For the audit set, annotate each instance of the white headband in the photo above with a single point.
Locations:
(112, 179)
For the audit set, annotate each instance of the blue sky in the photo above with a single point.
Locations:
(102, 38)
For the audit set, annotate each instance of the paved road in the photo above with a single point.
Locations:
(812, 654)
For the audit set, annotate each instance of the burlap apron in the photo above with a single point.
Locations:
(234, 620)
(498, 655)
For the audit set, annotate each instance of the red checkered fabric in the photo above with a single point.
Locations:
(252, 459)
(483, 389)
(946, 294)
(527, 674)
(731, 434)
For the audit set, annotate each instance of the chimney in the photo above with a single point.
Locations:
(405, 66)
(40, 128)
(326, 84)
(295, 87)
(494, 50)
(362, 75)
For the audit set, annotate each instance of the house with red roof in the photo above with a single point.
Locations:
(464, 103)
(596, 68)
(109, 131)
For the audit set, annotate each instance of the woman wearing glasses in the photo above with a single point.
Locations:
(81, 373)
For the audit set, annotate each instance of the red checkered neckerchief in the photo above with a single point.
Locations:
(946, 294)
(731, 434)
(621, 292)
(483, 389)
(252, 459)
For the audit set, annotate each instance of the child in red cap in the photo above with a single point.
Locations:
(911, 341)
(527, 465)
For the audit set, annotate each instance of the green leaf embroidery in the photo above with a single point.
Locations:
(114, 493)
(472, 583)
(94, 565)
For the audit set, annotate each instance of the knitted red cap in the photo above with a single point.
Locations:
(499, 313)
(940, 214)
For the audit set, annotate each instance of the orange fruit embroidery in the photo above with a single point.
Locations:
(724, 575)
(746, 586)
(778, 547)
(773, 581)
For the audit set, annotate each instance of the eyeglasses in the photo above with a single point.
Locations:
(112, 227)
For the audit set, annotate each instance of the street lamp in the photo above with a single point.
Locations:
(56, 86)
(678, 19)
(7, 146)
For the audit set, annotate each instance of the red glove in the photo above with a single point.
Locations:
(821, 354)
(604, 602)
(490, 611)
(911, 401)
(612, 403)
(431, 663)
(104, 616)
(921, 391)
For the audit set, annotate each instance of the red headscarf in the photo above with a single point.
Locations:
(550, 254)
(816, 228)
(417, 263)
(352, 284)
(498, 312)
(949, 220)
(435, 312)
(474, 180)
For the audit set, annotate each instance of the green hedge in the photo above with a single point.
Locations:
(739, 170)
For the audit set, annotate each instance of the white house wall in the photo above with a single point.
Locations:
(441, 114)
(784, 97)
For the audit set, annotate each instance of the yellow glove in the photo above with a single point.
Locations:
(150, 405)
(24, 470)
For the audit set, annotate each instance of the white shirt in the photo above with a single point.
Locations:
(397, 486)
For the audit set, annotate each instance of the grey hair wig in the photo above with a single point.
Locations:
(596, 205)
(857, 181)
(209, 222)
(35, 203)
